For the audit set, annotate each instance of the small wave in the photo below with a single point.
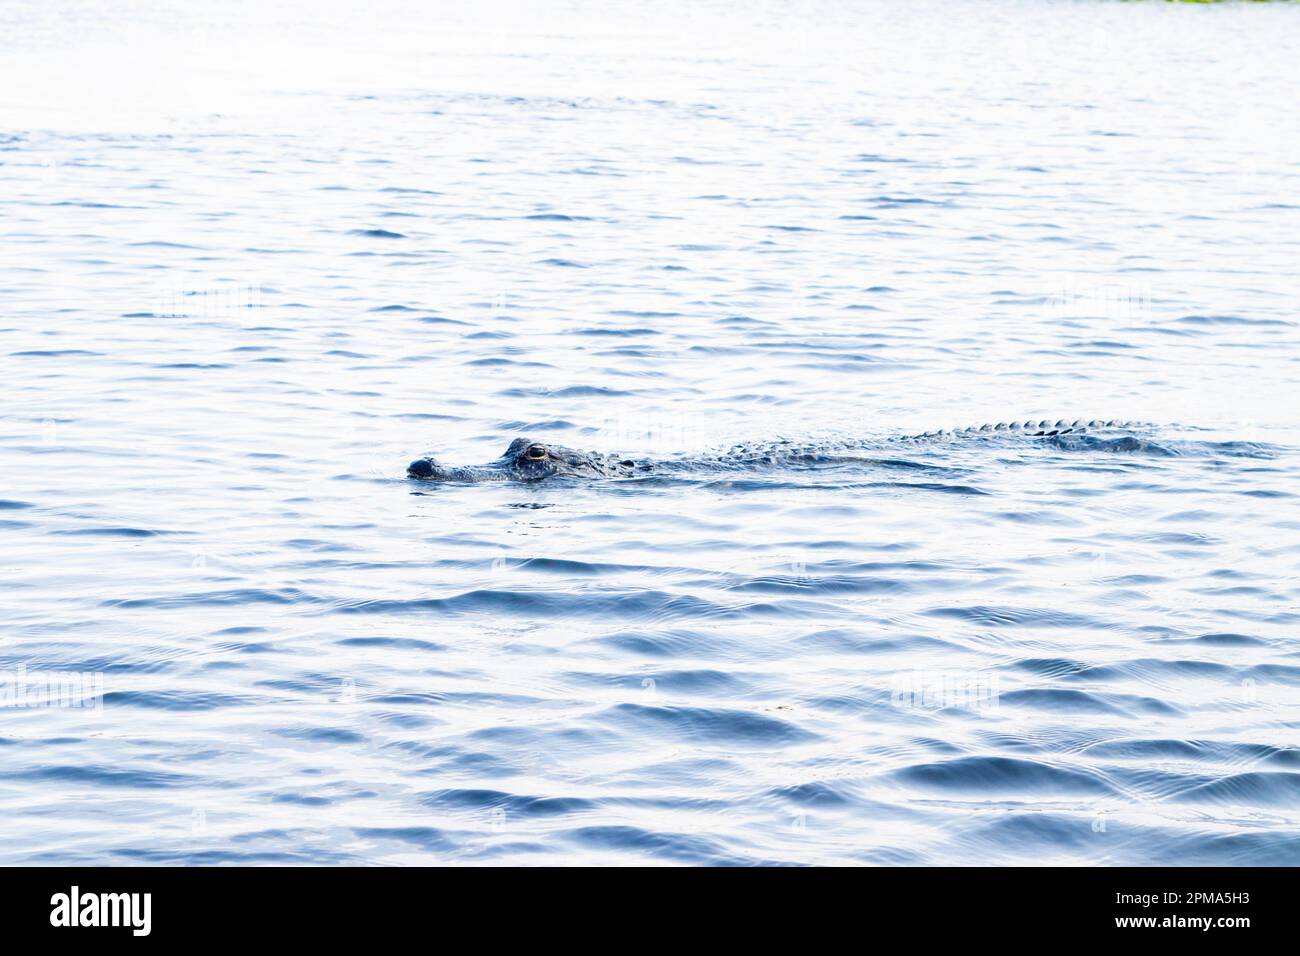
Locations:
(429, 839)
(700, 681)
(303, 800)
(663, 644)
(807, 582)
(1204, 751)
(236, 597)
(1010, 775)
(680, 847)
(1230, 320)
(616, 333)
(947, 489)
(1258, 848)
(322, 735)
(1221, 640)
(54, 353)
(178, 700)
(640, 604)
(98, 776)
(731, 727)
(111, 532)
(568, 391)
(816, 794)
(393, 643)
(1258, 789)
(1077, 701)
(512, 804)
(1016, 616)
(890, 202)
(1030, 833)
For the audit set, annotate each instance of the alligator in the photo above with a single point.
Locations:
(527, 460)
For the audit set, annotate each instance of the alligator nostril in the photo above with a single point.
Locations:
(420, 468)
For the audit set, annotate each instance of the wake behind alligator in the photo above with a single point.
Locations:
(527, 460)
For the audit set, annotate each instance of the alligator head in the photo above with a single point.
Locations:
(527, 460)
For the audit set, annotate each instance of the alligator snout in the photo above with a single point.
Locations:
(527, 460)
(420, 468)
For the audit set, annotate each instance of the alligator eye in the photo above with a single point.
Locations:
(535, 452)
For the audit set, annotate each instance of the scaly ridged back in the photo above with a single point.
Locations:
(1042, 429)
(758, 453)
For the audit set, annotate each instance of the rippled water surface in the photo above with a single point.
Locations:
(254, 262)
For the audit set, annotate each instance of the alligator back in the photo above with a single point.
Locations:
(1030, 429)
(784, 451)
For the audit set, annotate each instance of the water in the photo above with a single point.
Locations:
(254, 263)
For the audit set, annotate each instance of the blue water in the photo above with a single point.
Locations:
(255, 262)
